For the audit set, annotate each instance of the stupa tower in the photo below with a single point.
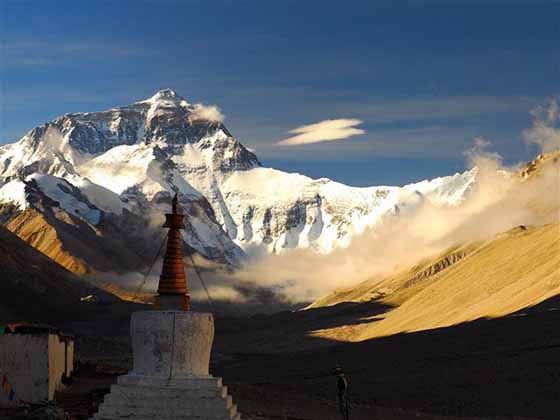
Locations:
(171, 347)
(172, 289)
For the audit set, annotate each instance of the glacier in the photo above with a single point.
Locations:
(131, 159)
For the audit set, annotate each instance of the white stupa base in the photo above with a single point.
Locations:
(170, 378)
(149, 398)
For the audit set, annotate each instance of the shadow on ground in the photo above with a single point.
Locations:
(291, 330)
(503, 367)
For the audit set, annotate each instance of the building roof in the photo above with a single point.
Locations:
(29, 328)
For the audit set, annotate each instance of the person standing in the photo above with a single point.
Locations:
(342, 388)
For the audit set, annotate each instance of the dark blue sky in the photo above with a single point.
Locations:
(425, 77)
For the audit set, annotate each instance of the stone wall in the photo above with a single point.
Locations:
(24, 361)
(60, 362)
(34, 365)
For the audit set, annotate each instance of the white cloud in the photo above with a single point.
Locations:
(327, 130)
(206, 113)
(219, 293)
(46, 53)
(479, 152)
(545, 131)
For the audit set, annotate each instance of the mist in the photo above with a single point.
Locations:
(500, 200)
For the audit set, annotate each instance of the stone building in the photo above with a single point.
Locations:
(34, 360)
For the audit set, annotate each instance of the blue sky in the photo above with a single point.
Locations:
(424, 77)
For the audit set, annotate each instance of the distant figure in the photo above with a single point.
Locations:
(342, 387)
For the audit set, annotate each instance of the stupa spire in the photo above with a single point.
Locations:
(172, 288)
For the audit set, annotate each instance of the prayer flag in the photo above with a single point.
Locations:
(4, 380)
(12, 395)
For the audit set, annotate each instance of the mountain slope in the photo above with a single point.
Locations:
(494, 278)
(71, 231)
(130, 160)
(126, 153)
(34, 288)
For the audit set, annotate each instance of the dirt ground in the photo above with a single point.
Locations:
(506, 368)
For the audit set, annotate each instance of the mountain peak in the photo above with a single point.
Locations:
(165, 95)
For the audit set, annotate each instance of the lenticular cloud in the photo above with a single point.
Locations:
(327, 130)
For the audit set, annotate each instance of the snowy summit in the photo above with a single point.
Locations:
(129, 158)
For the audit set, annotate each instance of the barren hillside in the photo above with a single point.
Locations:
(34, 288)
(515, 270)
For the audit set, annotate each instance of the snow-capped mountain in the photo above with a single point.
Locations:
(129, 160)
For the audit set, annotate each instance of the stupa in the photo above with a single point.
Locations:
(171, 347)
